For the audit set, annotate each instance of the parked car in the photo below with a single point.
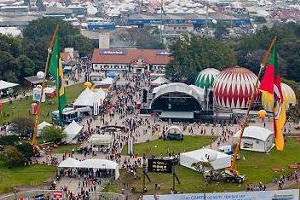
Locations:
(175, 136)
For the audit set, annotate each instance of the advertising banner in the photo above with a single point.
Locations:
(255, 195)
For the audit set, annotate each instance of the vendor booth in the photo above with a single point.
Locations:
(256, 138)
(72, 130)
(101, 141)
(218, 160)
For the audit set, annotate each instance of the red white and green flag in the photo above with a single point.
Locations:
(271, 87)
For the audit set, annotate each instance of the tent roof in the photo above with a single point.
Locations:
(177, 128)
(69, 162)
(72, 130)
(43, 124)
(98, 164)
(96, 137)
(160, 80)
(88, 97)
(201, 155)
(5, 85)
(255, 132)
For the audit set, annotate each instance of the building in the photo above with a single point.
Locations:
(133, 60)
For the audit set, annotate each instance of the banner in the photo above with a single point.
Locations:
(255, 195)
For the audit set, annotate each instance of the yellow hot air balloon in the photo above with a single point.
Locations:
(262, 114)
(87, 84)
(289, 98)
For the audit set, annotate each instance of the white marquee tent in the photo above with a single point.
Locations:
(5, 85)
(88, 97)
(91, 164)
(101, 164)
(174, 129)
(69, 163)
(218, 160)
(255, 138)
(72, 131)
(41, 126)
(101, 140)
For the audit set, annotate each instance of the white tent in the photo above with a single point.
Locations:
(72, 131)
(5, 85)
(88, 97)
(101, 140)
(41, 126)
(101, 164)
(218, 160)
(255, 138)
(69, 163)
(174, 129)
(160, 81)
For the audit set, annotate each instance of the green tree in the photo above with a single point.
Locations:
(11, 157)
(22, 126)
(26, 149)
(9, 140)
(52, 134)
(221, 31)
(190, 55)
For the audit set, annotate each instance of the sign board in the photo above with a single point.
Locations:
(162, 53)
(113, 51)
(255, 195)
(160, 165)
(57, 194)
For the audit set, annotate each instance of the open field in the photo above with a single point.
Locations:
(20, 107)
(24, 176)
(256, 166)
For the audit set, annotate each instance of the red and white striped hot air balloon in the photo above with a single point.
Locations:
(233, 87)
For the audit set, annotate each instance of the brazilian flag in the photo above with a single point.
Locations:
(56, 70)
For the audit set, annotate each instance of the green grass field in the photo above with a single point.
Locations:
(164, 147)
(20, 108)
(21, 176)
(256, 166)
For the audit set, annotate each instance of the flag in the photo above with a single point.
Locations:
(56, 70)
(271, 86)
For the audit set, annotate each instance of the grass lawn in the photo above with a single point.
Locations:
(164, 147)
(256, 166)
(20, 108)
(66, 148)
(33, 175)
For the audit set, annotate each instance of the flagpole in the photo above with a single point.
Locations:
(34, 137)
(244, 124)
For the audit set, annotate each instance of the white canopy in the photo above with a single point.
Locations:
(88, 97)
(160, 81)
(5, 85)
(72, 131)
(255, 132)
(101, 164)
(217, 159)
(91, 163)
(174, 129)
(107, 81)
(97, 139)
(41, 126)
(69, 163)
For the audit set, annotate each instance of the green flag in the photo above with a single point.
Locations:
(56, 70)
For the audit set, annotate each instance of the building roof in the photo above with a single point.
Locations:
(127, 56)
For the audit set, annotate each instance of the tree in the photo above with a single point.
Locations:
(22, 126)
(221, 30)
(26, 149)
(9, 140)
(190, 55)
(11, 157)
(52, 134)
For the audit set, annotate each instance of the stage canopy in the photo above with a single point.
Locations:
(72, 131)
(218, 160)
(6, 85)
